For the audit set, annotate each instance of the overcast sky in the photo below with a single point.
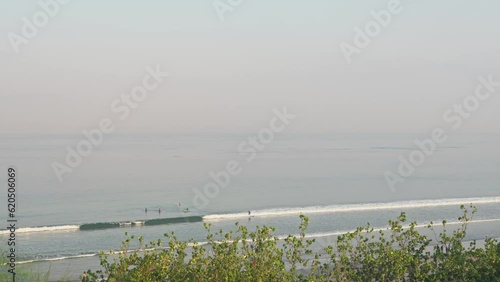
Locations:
(227, 76)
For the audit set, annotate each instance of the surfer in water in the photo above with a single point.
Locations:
(249, 212)
(146, 210)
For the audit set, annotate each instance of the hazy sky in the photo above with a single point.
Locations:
(228, 75)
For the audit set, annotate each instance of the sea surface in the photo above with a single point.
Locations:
(337, 180)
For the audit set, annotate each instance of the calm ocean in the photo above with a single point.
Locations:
(335, 179)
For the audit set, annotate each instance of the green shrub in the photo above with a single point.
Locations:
(397, 253)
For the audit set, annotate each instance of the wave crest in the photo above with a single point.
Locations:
(354, 207)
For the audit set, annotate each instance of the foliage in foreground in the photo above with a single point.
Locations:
(398, 253)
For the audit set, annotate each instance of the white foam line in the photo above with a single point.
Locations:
(355, 207)
(44, 229)
(57, 259)
(435, 224)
